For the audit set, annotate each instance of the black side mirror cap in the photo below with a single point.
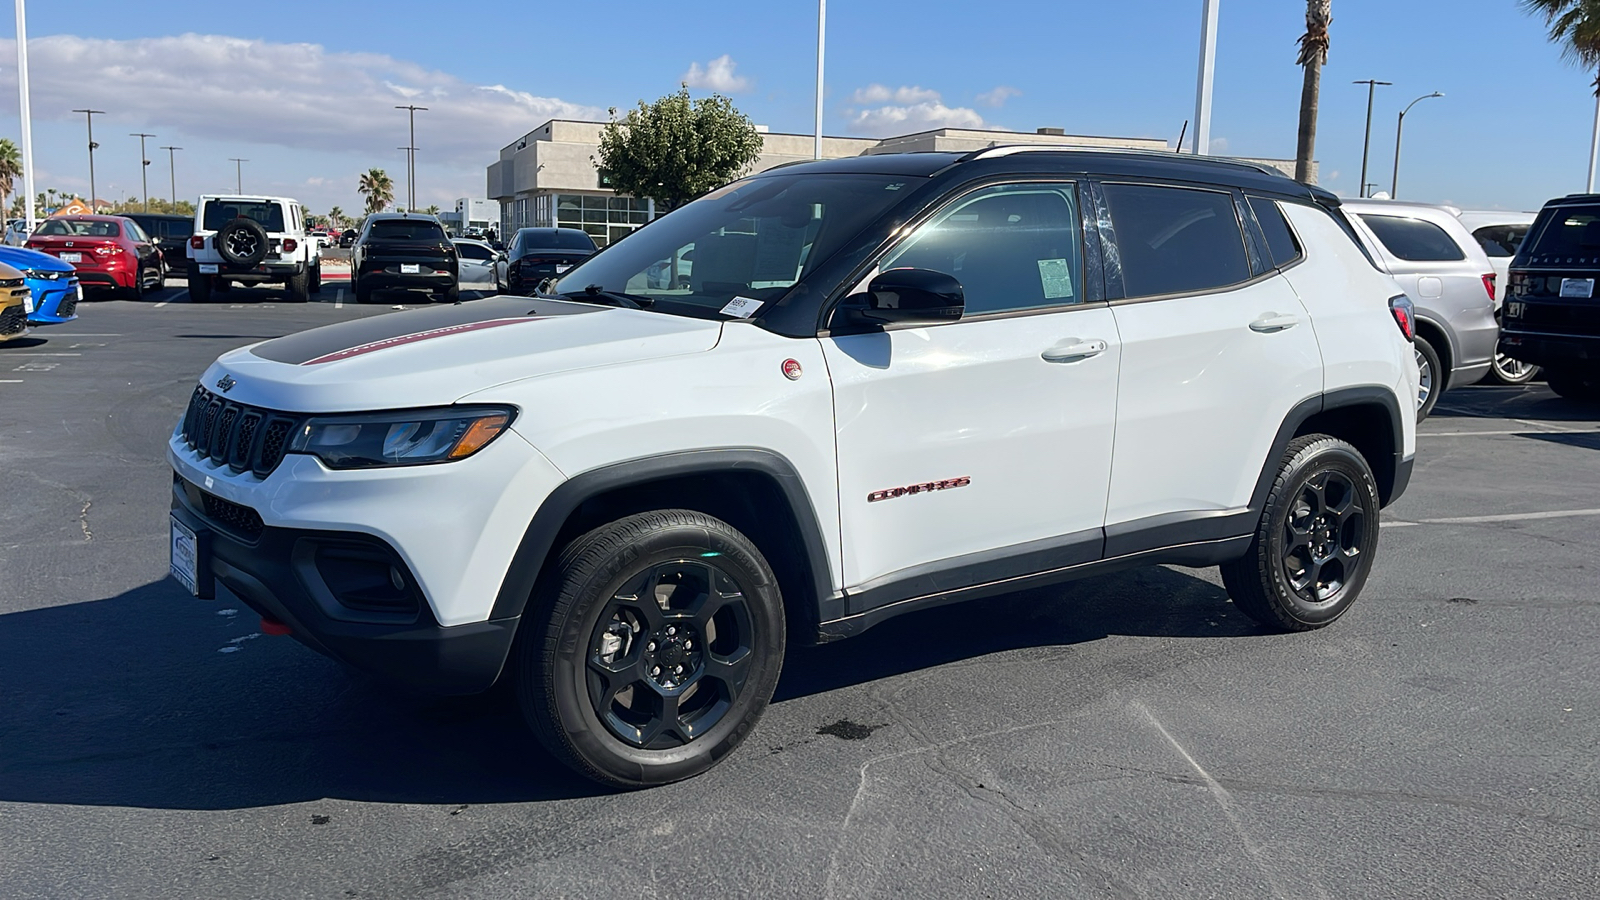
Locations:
(904, 296)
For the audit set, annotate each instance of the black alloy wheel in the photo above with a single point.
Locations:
(242, 242)
(1314, 545)
(654, 651)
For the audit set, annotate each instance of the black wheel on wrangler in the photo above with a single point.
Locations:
(1314, 545)
(653, 650)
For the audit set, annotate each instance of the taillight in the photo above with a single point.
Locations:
(108, 249)
(1405, 315)
(197, 242)
(1488, 284)
(289, 245)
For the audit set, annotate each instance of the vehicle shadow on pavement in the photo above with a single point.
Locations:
(1533, 401)
(153, 699)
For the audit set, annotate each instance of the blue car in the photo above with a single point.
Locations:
(54, 284)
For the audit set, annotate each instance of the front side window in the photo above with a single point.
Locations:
(1012, 247)
(220, 212)
(753, 239)
(1413, 239)
(1176, 240)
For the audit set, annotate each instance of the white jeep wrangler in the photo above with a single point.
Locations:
(887, 383)
(252, 240)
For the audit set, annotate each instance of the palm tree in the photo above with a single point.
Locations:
(1575, 25)
(10, 169)
(378, 188)
(1313, 54)
(336, 216)
(433, 210)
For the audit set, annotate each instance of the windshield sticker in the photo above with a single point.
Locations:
(741, 307)
(414, 337)
(1056, 278)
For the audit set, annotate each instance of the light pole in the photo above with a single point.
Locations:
(1366, 142)
(822, 30)
(238, 173)
(89, 115)
(1208, 64)
(144, 167)
(1394, 181)
(27, 117)
(172, 169)
(411, 155)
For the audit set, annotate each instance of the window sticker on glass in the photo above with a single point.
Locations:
(741, 307)
(1056, 278)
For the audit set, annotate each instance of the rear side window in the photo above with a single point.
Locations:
(1176, 240)
(1501, 240)
(1413, 239)
(406, 230)
(220, 212)
(1280, 240)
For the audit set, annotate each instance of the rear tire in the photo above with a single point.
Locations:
(1431, 382)
(627, 671)
(299, 286)
(1581, 385)
(362, 292)
(450, 294)
(199, 285)
(316, 279)
(1314, 544)
(1505, 370)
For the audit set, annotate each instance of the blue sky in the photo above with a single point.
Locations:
(304, 90)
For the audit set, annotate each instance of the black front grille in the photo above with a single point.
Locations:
(67, 306)
(241, 520)
(245, 438)
(12, 320)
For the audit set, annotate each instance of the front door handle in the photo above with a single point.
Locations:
(1272, 322)
(1073, 349)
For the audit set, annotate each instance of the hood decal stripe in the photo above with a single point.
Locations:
(412, 338)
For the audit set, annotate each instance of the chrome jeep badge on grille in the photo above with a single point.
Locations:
(226, 383)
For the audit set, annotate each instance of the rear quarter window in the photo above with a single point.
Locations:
(1414, 240)
(1500, 241)
(1280, 240)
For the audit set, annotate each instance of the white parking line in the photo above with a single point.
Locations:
(1501, 433)
(10, 380)
(32, 353)
(162, 303)
(1488, 520)
(338, 299)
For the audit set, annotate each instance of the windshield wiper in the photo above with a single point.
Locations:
(594, 293)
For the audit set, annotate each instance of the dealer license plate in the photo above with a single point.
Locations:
(410, 268)
(560, 269)
(71, 256)
(1577, 287)
(185, 556)
(1514, 309)
(208, 268)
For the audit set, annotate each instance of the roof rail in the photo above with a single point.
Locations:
(1009, 149)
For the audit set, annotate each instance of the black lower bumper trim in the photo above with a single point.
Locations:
(1550, 350)
(270, 576)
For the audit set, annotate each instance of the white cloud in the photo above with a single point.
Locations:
(1219, 146)
(998, 96)
(717, 75)
(291, 95)
(906, 109)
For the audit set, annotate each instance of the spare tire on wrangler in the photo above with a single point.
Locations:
(242, 242)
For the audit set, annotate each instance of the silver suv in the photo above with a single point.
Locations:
(1440, 266)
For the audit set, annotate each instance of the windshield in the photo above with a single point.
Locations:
(753, 239)
(221, 212)
(80, 228)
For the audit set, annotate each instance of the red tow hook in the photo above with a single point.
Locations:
(274, 627)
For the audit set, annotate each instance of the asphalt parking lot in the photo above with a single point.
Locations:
(1125, 736)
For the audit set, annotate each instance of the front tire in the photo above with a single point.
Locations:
(1430, 382)
(651, 649)
(1314, 544)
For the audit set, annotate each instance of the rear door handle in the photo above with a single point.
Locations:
(1072, 350)
(1272, 322)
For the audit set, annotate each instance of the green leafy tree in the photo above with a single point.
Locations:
(1313, 55)
(433, 210)
(378, 189)
(1575, 25)
(10, 169)
(676, 149)
(336, 216)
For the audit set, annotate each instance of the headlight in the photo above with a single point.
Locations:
(42, 274)
(401, 438)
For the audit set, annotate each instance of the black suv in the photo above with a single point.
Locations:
(540, 253)
(170, 233)
(400, 251)
(1552, 315)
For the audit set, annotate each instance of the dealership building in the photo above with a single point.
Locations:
(548, 178)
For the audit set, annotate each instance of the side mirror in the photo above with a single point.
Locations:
(905, 296)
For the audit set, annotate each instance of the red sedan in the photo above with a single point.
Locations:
(108, 251)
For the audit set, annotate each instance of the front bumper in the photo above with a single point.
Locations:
(450, 530)
(54, 301)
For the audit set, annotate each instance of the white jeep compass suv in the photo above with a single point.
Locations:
(885, 383)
